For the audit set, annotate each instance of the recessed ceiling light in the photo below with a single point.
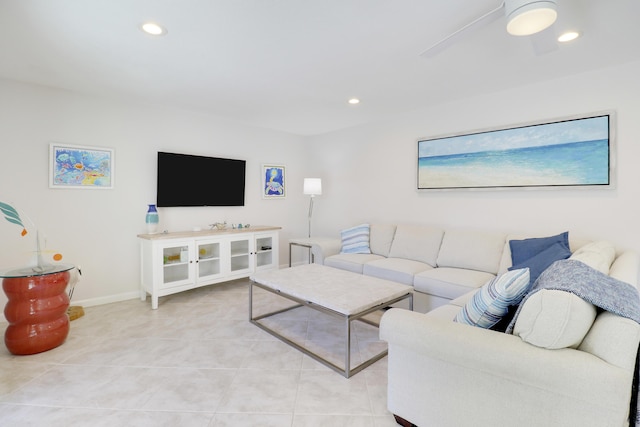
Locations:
(354, 101)
(153, 29)
(568, 36)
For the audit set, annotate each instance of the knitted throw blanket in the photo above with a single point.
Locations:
(602, 291)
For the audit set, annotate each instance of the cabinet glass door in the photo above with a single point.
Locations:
(264, 251)
(208, 259)
(175, 267)
(240, 255)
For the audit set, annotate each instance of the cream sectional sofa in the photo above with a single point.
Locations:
(447, 374)
(570, 365)
(439, 264)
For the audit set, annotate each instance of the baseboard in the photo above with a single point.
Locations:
(295, 264)
(107, 299)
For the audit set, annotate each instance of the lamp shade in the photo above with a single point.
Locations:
(312, 186)
(526, 17)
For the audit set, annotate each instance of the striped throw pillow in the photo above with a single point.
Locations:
(355, 240)
(491, 303)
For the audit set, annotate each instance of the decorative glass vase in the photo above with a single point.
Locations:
(152, 219)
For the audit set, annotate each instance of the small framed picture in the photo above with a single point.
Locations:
(79, 167)
(273, 182)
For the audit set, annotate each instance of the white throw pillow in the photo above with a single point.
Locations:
(554, 319)
(598, 255)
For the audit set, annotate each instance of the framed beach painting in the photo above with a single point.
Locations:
(570, 152)
(79, 167)
(273, 182)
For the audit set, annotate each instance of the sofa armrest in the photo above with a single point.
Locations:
(438, 369)
(323, 248)
(464, 345)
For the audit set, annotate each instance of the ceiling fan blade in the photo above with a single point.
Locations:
(545, 41)
(451, 39)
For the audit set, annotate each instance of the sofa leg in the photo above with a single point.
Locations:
(403, 422)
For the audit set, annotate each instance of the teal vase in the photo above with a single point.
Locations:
(152, 219)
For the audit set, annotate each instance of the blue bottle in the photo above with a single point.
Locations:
(152, 219)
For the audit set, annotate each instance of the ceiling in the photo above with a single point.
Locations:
(291, 65)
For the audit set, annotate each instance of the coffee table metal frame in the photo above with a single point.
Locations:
(347, 371)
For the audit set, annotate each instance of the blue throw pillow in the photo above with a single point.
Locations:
(488, 306)
(522, 250)
(355, 240)
(540, 262)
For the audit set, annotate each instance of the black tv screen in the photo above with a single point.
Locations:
(188, 180)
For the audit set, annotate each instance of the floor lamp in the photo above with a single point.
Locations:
(312, 187)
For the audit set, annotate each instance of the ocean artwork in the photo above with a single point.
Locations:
(573, 152)
(81, 167)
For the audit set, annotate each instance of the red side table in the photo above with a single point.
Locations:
(36, 308)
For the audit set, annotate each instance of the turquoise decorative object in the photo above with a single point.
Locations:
(152, 219)
(37, 264)
(11, 215)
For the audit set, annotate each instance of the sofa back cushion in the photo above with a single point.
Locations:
(418, 243)
(625, 267)
(380, 238)
(598, 255)
(475, 250)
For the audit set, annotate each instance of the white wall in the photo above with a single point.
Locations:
(97, 228)
(369, 173)
(377, 162)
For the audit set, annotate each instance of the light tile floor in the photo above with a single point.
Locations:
(196, 361)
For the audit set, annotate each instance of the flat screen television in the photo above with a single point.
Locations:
(188, 180)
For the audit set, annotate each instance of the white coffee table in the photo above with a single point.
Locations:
(343, 294)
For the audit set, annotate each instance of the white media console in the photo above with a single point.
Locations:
(176, 262)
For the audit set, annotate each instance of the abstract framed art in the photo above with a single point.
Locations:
(575, 151)
(273, 182)
(80, 167)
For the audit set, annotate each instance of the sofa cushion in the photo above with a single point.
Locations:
(416, 243)
(463, 299)
(522, 250)
(473, 250)
(395, 269)
(380, 238)
(598, 255)
(540, 262)
(350, 262)
(492, 301)
(554, 319)
(450, 283)
(355, 240)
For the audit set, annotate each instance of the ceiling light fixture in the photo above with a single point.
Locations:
(153, 29)
(354, 101)
(568, 36)
(526, 17)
